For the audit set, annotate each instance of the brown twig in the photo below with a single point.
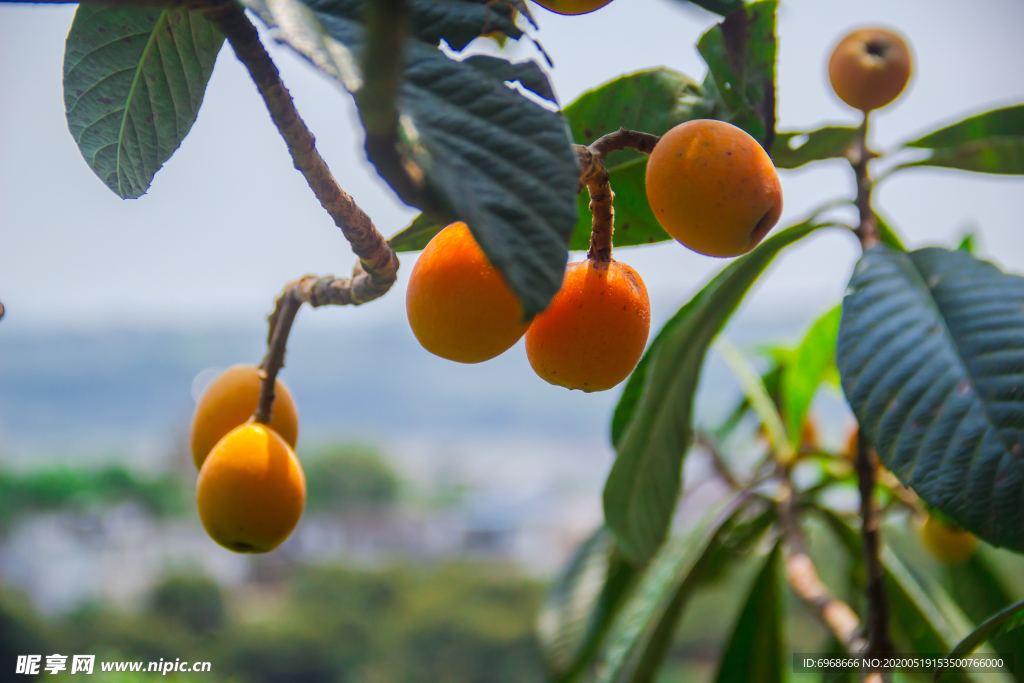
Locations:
(803, 578)
(377, 260)
(723, 470)
(594, 176)
(879, 643)
(859, 155)
(280, 327)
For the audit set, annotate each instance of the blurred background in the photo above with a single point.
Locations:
(442, 496)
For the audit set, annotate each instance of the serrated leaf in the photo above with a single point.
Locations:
(931, 353)
(484, 153)
(755, 650)
(581, 603)
(740, 54)
(134, 79)
(652, 101)
(793, 150)
(992, 124)
(1002, 622)
(1002, 156)
(651, 426)
(642, 631)
(810, 366)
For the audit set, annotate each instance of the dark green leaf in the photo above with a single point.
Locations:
(651, 427)
(1008, 122)
(652, 101)
(580, 604)
(1004, 156)
(792, 150)
(482, 152)
(642, 631)
(813, 360)
(457, 22)
(1010, 618)
(134, 79)
(931, 353)
(755, 650)
(740, 53)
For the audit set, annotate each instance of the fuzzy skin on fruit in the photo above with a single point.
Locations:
(458, 304)
(713, 188)
(251, 490)
(949, 543)
(594, 331)
(869, 68)
(231, 400)
(572, 7)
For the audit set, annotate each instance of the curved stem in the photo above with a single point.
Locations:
(280, 327)
(377, 259)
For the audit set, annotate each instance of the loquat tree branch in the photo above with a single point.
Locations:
(378, 264)
(594, 176)
(859, 156)
(834, 614)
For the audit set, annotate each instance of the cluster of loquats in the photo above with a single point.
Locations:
(251, 489)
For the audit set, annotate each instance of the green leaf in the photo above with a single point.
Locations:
(792, 150)
(417, 234)
(755, 650)
(757, 395)
(652, 101)
(931, 353)
(1004, 156)
(1008, 122)
(1002, 622)
(887, 233)
(580, 604)
(740, 54)
(980, 591)
(481, 152)
(811, 365)
(651, 427)
(642, 631)
(134, 79)
(967, 243)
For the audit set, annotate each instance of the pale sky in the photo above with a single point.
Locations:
(228, 221)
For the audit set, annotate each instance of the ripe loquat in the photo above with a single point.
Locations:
(869, 68)
(251, 490)
(459, 305)
(713, 188)
(572, 7)
(594, 331)
(231, 400)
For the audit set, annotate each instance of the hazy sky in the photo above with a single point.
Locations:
(228, 221)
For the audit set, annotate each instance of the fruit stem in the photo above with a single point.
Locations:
(376, 259)
(280, 327)
(594, 176)
(803, 577)
(859, 156)
(879, 643)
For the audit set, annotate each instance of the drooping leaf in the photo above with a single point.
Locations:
(755, 650)
(652, 101)
(642, 631)
(814, 359)
(1002, 622)
(1007, 122)
(581, 603)
(931, 353)
(480, 151)
(134, 79)
(793, 150)
(651, 426)
(740, 54)
(1003, 156)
